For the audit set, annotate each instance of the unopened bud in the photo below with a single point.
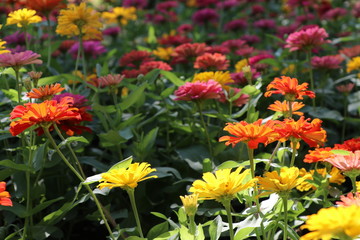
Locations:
(27, 84)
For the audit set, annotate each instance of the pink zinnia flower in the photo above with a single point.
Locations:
(166, 6)
(198, 91)
(235, 25)
(91, 49)
(326, 62)
(148, 66)
(250, 39)
(240, 79)
(227, 4)
(210, 61)
(217, 49)
(307, 39)
(108, 80)
(266, 24)
(335, 13)
(139, 4)
(17, 60)
(204, 16)
(346, 163)
(241, 100)
(233, 44)
(188, 52)
(174, 40)
(184, 28)
(111, 31)
(135, 58)
(345, 88)
(349, 200)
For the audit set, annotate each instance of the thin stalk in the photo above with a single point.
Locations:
(228, 213)
(81, 48)
(252, 163)
(52, 141)
(192, 226)
(285, 216)
(343, 130)
(198, 104)
(131, 193)
(293, 155)
(268, 164)
(290, 109)
(49, 40)
(353, 183)
(18, 84)
(308, 59)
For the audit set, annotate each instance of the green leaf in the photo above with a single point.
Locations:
(172, 78)
(171, 235)
(18, 209)
(41, 232)
(243, 233)
(149, 140)
(228, 164)
(159, 215)
(151, 76)
(157, 230)
(39, 157)
(16, 166)
(135, 238)
(12, 94)
(250, 90)
(43, 205)
(50, 80)
(215, 228)
(73, 139)
(123, 164)
(185, 234)
(200, 233)
(167, 92)
(342, 152)
(133, 97)
(111, 138)
(291, 233)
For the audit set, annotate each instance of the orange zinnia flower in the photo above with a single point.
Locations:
(43, 114)
(46, 92)
(250, 133)
(4, 195)
(283, 107)
(319, 154)
(289, 87)
(310, 132)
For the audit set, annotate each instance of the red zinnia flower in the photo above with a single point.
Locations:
(43, 6)
(148, 66)
(215, 61)
(188, 52)
(4, 195)
(135, 58)
(289, 87)
(349, 145)
(198, 91)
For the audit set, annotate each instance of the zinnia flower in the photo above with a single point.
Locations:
(23, 17)
(283, 108)
(319, 154)
(231, 93)
(42, 114)
(345, 88)
(349, 200)
(188, 52)
(120, 15)
(108, 80)
(190, 203)
(79, 20)
(349, 145)
(353, 64)
(339, 222)
(126, 178)
(289, 87)
(307, 39)
(282, 183)
(4, 195)
(346, 163)
(2, 47)
(17, 60)
(43, 6)
(223, 78)
(326, 62)
(223, 185)
(46, 92)
(198, 91)
(302, 129)
(135, 58)
(250, 133)
(163, 53)
(151, 65)
(205, 16)
(209, 61)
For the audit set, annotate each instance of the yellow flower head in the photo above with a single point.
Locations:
(223, 78)
(76, 20)
(23, 17)
(126, 178)
(163, 53)
(2, 47)
(190, 203)
(288, 179)
(223, 185)
(353, 64)
(240, 64)
(288, 70)
(120, 15)
(340, 222)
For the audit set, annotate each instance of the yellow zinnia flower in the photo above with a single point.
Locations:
(288, 179)
(190, 203)
(223, 185)
(163, 53)
(240, 64)
(2, 47)
(76, 20)
(353, 64)
(223, 78)
(126, 178)
(340, 222)
(23, 17)
(120, 15)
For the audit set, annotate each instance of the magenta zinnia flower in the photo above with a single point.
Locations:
(204, 16)
(307, 39)
(346, 162)
(91, 49)
(17, 60)
(198, 91)
(326, 62)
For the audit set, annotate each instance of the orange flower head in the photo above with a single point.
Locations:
(310, 132)
(46, 92)
(250, 133)
(42, 114)
(283, 107)
(212, 62)
(319, 154)
(4, 195)
(289, 87)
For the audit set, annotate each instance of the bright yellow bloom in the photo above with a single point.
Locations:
(120, 15)
(223, 78)
(353, 64)
(23, 17)
(288, 70)
(76, 20)
(163, 53)
(358, 185)
(126, 178)
(240, 64)
(335, 177)
(288, 179)
(2, 47)
(340, 222)
(190, 203)
(223, 185)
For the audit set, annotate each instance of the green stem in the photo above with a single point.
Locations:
(308, 59)
(228, 213)
(81, 48)
(343, 130)
(293, 155)
(49, 40)
(192, 226)
(290, 109)
(252, 163)
(198, 104)
(268, 164)
(131, 193)
(353, 183)
(52, 141)
(285, 216)
(18, 83)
